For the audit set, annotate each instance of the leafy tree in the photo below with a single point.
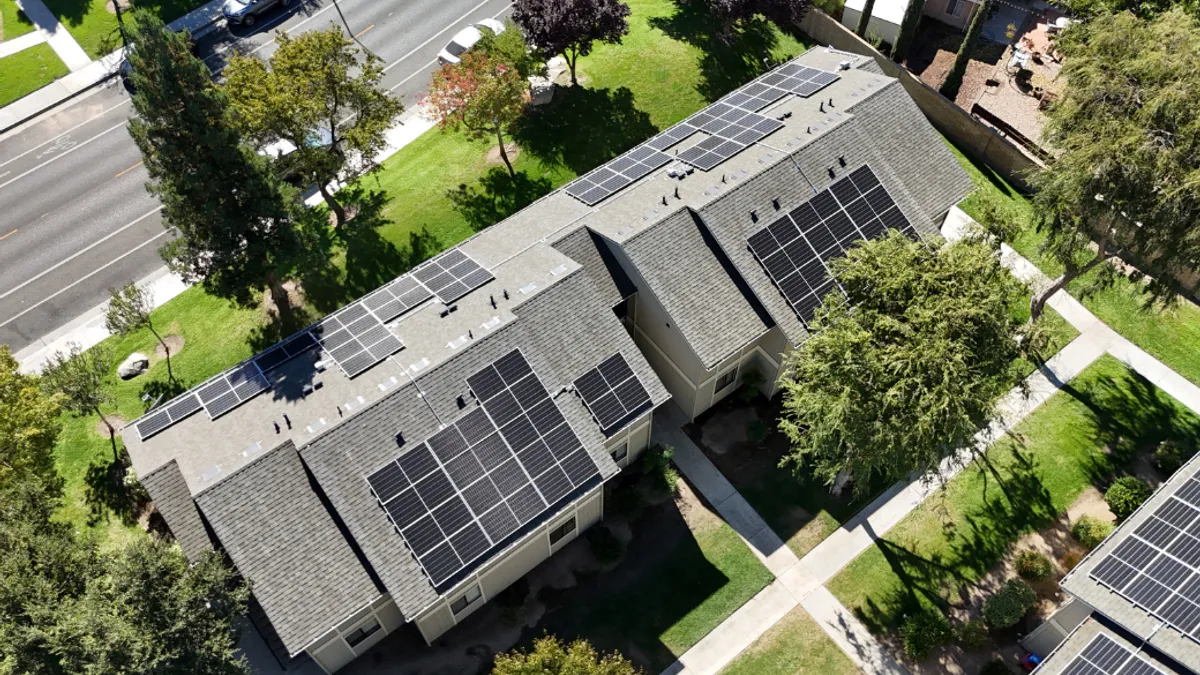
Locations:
(320, 96)
(235, 229)
(29, 426)
(510, 47)
(479, 95)
(1128, 134)
(911, 367)
(864, 19)
(78, 377)
(549, 656)
(128, 310)
(731, 13)
(954, 79)
(571, 27)
(908, 29)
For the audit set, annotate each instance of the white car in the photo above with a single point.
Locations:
(465, 39)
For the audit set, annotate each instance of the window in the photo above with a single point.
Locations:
(557, 534)
(621, 452)
(725, 380)
(356, 636)
(464, 601)
(955, 7)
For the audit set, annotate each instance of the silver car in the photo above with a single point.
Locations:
(245, 12)
(465, 39)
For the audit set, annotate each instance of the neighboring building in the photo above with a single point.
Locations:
(343, 471)
(887, 15)
(1139, 589)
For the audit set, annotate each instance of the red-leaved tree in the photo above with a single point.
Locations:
(570, 27)
(479, 96)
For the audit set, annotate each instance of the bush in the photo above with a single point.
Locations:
(1126, 494)
(995, 667)
(625, 501)
(757, 431)
(972, 635)
(1070, 559)
(923, 632)
(1009, 604)
(752, 379)
(1032, 565)
(604, 544)
(1169, 456)
(656, 465)
(1090, 530)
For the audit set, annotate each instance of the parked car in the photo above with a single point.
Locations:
(282, 154)
(245, 12)
(465, 39)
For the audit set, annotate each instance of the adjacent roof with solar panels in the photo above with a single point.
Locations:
(613, 393)
(1146, 575)
(1094, 648)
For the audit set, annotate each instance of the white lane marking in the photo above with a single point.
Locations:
(425, 69)
(442, 31)
(64, 154)
(64, 289)
(85, 250)
(52, 140)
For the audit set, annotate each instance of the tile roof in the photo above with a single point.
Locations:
(302, 571)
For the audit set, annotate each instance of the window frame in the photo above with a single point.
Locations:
(718, 387)
(954, 8)
(466, 599)
(362, 632)
(621, 452)
(563, 530)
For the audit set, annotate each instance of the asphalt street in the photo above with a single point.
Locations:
(75, 217)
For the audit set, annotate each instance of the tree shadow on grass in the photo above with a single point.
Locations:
(157, 391)
(583, 128)
(107, 494)
(496, 196)
(726, 61)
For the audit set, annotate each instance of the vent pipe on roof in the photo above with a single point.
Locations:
(775, 203)
(492, 298)
(506, 294)
(831, 173)
(830, 101)
(676, 192)
(664, 200)
(842, 160)
(754, 216)
(287, 420)
(808, 130)
(822, 106)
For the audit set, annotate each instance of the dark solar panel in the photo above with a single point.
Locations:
(470, 488)
(451, 275)
(1105, 656)
(356, 338)
(795, 249)
(618, 173)
(613, 394)
(731, 130)
(1157, 567)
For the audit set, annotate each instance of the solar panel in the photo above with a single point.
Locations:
(795, 249)
(451, 275)
(801, 80)
(613, 394)
(468, 488)
(355, 338)
(1157, 566)
(166, 415)
(731, 129)
(396, 298)
(671, 136)
(591, 188)
(285, 351)
(1105, 656)
(228, 390)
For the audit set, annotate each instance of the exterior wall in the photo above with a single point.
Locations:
(936, 9)
(763, 354)
(509, 567)
(885, 30)
(635, 438)
(333, 650)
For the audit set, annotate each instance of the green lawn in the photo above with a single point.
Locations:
(1171, 334)
(1080, 437)
(27, 71)
(13, 22)
(794, 646)
(661, 74)
(94, 27)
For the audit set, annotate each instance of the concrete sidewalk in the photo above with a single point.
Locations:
(61, 41)
(20, 44)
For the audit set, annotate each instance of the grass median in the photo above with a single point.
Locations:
(27, 71)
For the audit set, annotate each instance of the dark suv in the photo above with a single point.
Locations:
(245, 12)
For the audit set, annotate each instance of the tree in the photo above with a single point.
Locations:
(318, 95)
(480, 96)
(29, 426)
(571, 27)
(78, 377)
(509, 46)
(909, 369)
(551, 657)
(233, 220)
(731, 13)
(953, 81)
(128, 310)
(864, 19)
(908, 29)
(1127, 132)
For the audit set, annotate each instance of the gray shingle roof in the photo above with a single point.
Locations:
(611, 282)
(302, 570)
(1057, 661)
(174, 502)
(698, 292)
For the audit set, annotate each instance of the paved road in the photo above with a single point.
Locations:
(75, 218)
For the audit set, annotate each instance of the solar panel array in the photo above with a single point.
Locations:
(620, 172)
(800, 80)
(1105, 656)
(613, 394)
(471, 486)
(167, 415)
(356, 338)
(396, 298)
(231, 389)
(796, 248)
(731, 129)
(452, 275)
(1157, 566)
(284, 351)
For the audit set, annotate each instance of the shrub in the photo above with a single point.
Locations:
(656, 465)
(1170, 455)
(626, 502)
(1126, 494)
(1090, 530)
(1070, 559)
(995, 667)
(757, 431)
(972, 635)
(604, 544)
(923, 632)
(752, 379)
(1033, 565)
(1009, 604)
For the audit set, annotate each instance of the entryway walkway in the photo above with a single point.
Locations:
(56, 34)
(800, 581)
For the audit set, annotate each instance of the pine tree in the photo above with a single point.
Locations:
(954, 79)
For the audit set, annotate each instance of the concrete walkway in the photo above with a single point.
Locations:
(56, 34)
(18, 44)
